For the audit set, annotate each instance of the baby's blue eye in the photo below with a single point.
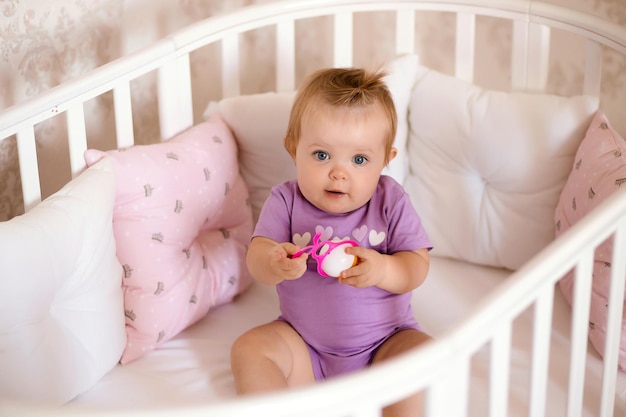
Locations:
(321, 155)
(359, 159)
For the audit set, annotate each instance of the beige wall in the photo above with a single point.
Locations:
(43, 44)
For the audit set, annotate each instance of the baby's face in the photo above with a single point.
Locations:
(340, 156)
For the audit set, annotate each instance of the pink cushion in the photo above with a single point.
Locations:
(599, 169)
(181, 221)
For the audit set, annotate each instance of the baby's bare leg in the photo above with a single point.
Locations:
(395, 345)
(270, 357)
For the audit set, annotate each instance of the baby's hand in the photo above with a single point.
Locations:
(369, 271)
(283, 265)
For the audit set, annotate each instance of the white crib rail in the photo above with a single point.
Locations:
(441, 367)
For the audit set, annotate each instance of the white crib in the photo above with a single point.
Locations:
(445, 369)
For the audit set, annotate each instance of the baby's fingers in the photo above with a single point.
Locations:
(360, 268)
(360, 252)
(290, 248)
(293, 268)
(357, 281)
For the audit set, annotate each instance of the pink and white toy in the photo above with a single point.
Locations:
(330, 255)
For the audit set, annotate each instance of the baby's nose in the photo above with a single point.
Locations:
(338, 173)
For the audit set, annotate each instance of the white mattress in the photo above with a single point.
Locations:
(194, 367)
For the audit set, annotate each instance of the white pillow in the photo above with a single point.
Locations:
(259, 123)
(61, 307)
(402, 72)
(487, 167)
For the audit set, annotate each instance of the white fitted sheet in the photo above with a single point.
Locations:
(194, 367)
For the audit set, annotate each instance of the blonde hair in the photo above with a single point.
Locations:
(341, 87)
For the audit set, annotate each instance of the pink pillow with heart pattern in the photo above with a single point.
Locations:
(599, 169)
(182, 221)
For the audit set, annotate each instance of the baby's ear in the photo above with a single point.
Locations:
(393, 152)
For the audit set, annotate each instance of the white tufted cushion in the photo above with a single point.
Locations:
(487, 167)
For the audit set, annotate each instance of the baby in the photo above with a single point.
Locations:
(340, 136)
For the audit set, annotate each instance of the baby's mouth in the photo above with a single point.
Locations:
(335, 193)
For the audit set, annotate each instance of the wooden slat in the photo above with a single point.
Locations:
(614, 322)
(285, 56)
(343, 36)
(405, 31)
(453, 382)
(230, 66)
(465, 40)
(519, 52)
(29, 169)
(175, 102)
(542, 327)
(77, 138)
(580, 318)
(538, 57)
(593, 68)
(530, 56)
(499, 371)
(123, 115)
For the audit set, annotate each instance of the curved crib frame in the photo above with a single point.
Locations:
(441, 367)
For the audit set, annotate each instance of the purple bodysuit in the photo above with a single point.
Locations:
(342, 325)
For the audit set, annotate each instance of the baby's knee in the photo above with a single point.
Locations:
(244, 345)
(256, 341)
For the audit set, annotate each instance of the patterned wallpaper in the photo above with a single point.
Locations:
(46, 43)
